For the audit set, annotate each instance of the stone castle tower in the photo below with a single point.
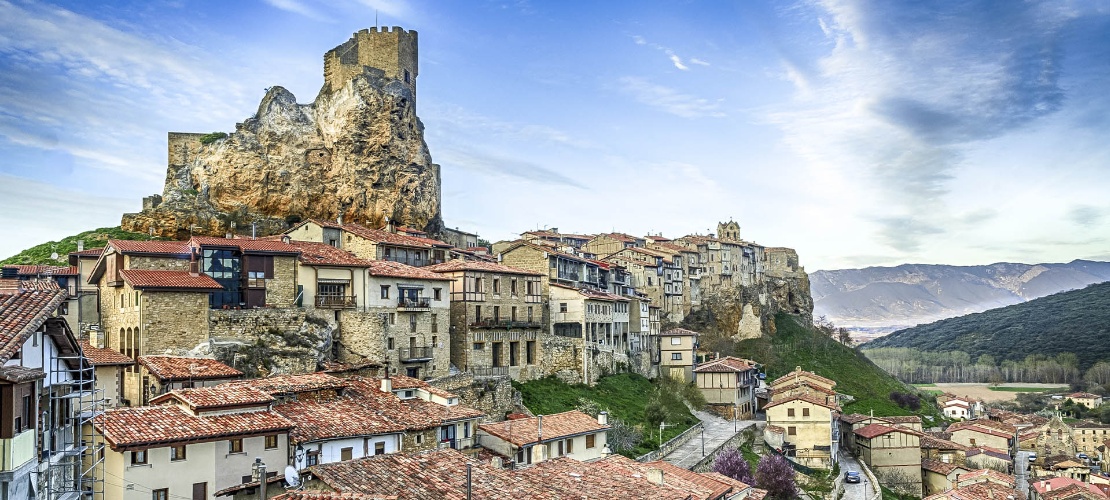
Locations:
(391, 51)
(728, 230)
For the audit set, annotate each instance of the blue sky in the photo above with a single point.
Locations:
(860, 133)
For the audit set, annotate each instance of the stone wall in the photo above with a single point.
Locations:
(361, 337)
(164, 263)
(281, 290)
(261, 342)
(735, 442)
(172, 322)
(494, 396)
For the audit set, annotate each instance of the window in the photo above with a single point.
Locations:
(160, 494)
(512, 287)
(271, 442)
(590, 441)
(530, 316)
(346, 454)
(385, 291)
(393, 318)
(466, 429)
(676, 341)
(312, 458)
(790, 412)
(235, 446)
(27, 419)
(379, 448)
(389, 343)
(792, 431)
(412, 322)
(560, 449)
(497, 313)
(512, 313)
(530, 287)
(478, 346)
(570, 446)
(138, 457)
(562, 307)
(177, 453)
(256, 279)
(530, 352)
(676, 356)
(435, 324)
(437, 293)
(435, 341)
(497, 285)
(805, 412)
(478, 313)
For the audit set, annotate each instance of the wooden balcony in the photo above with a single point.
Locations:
(415, 354)
(503, 323)
(336, 301)
(414, 304)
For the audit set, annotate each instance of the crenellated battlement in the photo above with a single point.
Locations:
(391, 50)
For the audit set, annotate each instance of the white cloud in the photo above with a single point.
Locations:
(298, 8)
(36, 212)
(675, 59)
(669, 100)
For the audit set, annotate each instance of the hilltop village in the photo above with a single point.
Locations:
(303, 325)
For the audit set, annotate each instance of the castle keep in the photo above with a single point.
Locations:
(393, 52)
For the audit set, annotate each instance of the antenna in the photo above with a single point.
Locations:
(292, 476)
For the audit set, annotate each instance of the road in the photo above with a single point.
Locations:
(716, 431)
(1021, 471)
(856, 491)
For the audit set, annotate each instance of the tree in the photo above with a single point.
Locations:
(622, 436)
(732, 464)
(775, 474)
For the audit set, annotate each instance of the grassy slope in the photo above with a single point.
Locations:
(1077, 321)
(794, 345)
(623, 395)
(40, 254)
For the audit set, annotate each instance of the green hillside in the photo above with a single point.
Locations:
(1075, 322)
(40, 254)
(795, 345)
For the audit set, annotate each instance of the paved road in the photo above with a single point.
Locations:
(716, 431)
(858, 491)
(1021, 471)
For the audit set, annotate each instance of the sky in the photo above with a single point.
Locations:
(859, 133)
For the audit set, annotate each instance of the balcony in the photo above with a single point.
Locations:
(336, 301)
(533, 299)
(414, 354)
(489, 371)
(414, 303)
(503, 323)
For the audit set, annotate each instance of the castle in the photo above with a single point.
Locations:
(393, 52)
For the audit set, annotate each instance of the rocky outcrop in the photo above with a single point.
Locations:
(356, 152)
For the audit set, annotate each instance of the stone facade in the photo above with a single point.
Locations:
(493, 396)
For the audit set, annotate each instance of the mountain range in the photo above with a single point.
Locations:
(883, 299)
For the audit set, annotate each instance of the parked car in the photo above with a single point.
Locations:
(851, 477)
(1032, 457)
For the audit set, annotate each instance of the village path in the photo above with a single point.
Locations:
(716, 431)
(857, 491)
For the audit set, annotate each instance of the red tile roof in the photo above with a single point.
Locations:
(983, 426)
(14, 285)
(151, 247)
(170, 368)
(397, 239)
(727, 364)
(800, 373)
(160, 279)
(22, 312)
(987, 450)
(804, 397)
(933, 442)
(294, 384)
(853, 418)
(216, 397)
(398, 270)
(473, 265)
(677, 332)
(99, 356)
(245, 245)
(608, 478)
(1083, 395)
(1059, 483)
(870, 431)
(325, 495)
(37, 270)
(155, 426)
(339, 418)
(942, 468)
(88, 252)
(322, 254)
(559, 425)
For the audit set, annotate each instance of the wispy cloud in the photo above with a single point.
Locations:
(299, 8)
(38, 212)
(477, 160)
(1087, 215)
(668, 99)
(675, 59)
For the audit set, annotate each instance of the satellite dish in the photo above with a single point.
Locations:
(292, 477)
(54, 255)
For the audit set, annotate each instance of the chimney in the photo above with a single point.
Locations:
(496, 463)
(339, 220)
(194, 265)
(80, 245)
(539, 426)
(387, 384)
(655, 476)
(603, 418)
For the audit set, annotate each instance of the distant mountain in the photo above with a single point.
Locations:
(1076, 321)
(912, 294)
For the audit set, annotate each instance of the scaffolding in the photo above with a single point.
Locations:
(71, 460)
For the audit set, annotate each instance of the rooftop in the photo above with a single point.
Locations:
(322, 254)
(392, 269)
(245, 245)
(800, 373)
(679, 332)
(21, 313)
(99, 356)
(40, 270)
(525, 431)
(145, 427)
(175, 248)
(216, 397)
(727, 364)
(161, 279)
(292, 384)
(870, 431)
(474, 265)
(169, 368)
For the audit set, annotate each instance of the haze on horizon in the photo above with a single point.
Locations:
(859, 133)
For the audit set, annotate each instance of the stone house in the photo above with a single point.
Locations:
(331, 279)
(88, 314)
(692, 271)
(676, 354)
(1086, 399)
(643, 341)
(592, 327)
(657, 274)
(1061, 466)
(809, 434)
(560, 267)
(942, 450)
(191, 444)
(166, 373)
(1089, 436)
(533, 440)
(893, 453)
(608, 244)
(728, 385)
(938, 477)
(375, 244)
(460, 239)
(985, 457)
(497, 318)
(1061, 488)
(982, 432)
(412, 306)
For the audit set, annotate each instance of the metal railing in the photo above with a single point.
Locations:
(414, 303)
(503, 323)
(336, 301)
(414, 353)
(489, 371)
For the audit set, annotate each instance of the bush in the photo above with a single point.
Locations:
(906, 400)
(213, 137)
(732, 464)
(775, 474)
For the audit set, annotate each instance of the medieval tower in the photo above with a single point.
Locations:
(728, 230)
(391, 51)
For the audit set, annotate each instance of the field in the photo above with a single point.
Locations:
(1001, 392)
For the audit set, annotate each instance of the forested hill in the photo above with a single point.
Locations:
(1077, 322)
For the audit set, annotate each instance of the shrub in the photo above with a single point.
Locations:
(775, 474)
(732, 464)
(213, 137)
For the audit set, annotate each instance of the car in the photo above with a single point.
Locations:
(1032, 457)
(851, 477)
(1082, 455)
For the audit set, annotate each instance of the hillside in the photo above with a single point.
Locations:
(913, 294)
(40, 254)
(1077, 322)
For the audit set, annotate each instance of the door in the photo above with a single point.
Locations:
(200, 491)
(447, 434)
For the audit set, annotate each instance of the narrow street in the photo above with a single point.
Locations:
(853, 491)
(1021, 471)
(716, 431)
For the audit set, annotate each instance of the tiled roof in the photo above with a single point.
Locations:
(168, 368)
(246, 245)
(1083, 395)
(21, 313)
(853, 418)
(608, 478)
(988, 474)
(89, 252)
(987, 450)
(153, 247)
(398, 270)
(1086, 424)
(382, 236)
(933, 442)
(413, 412)
(802, 385)
(727, 364)
(473, 265)
(978, 491)
(983, 426)
(338, 418)
(15, 285)
(292, 384)
(322, 254)
(153, 426)
(329, 495)
(939, 467)
(149, 278)
(903, 419)
(804, 397)
(702, 486)
(16, 374)
(1059, 483)
(677, 332)
(36, 270)
(216, 397)
(559, 425)
(870, 431)
(800, 373)
(99, 356)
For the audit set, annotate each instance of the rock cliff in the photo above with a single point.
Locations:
(356, 152)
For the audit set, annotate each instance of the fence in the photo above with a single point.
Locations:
(738, 439)
(671, 444)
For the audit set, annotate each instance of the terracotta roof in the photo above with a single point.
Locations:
(804, 385)
(160, 279)
(398, 239)
(939, 467)
(987, 450)
(154, 426)
(1060, 483)
(99, 356)
(933, 442)
(870, 431)
(89, 252)
(853, 418)
(245, 245)
(474, 265)
(978, 491)
(169, 368)
(292, 384)
(21, 313)
(413, 412)
(1086, 424)
(36, 270)
(216, 397)
(804, 397)
(339, 418)
(322, 254)
(398, 270)
(726, 364)
(988, 474)
(151, 247)
(984, 427)
(677, 332)
(800, 373)
(324, 495)
(608, 478)
(15, 285)
(903, 419)
(1083, 395)
(559, 425)
(776, 429)
(17, 374)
